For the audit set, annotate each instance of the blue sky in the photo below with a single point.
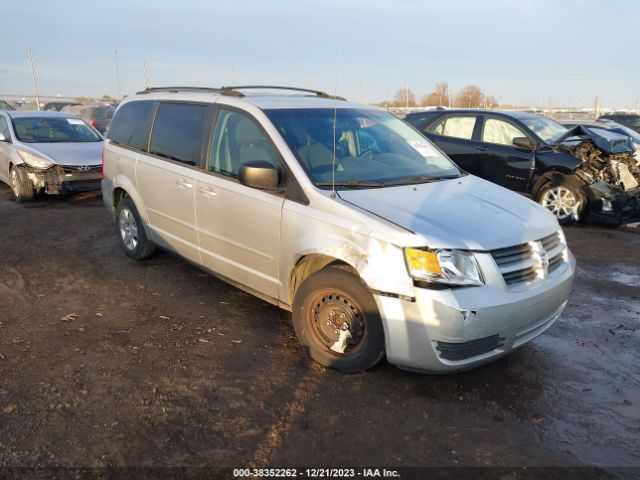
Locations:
(529, 50)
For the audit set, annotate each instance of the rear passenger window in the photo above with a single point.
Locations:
(237, 139)
(177, 132)
(459, 127)
(130, 125)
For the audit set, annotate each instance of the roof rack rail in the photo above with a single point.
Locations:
(317, 93)
(233, 91)
(223, 90)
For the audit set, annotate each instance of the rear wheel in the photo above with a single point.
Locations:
(564, 199)
(131, 231)
(336, 319)
(21, 185)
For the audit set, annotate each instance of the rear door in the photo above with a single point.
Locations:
(166, 175)
(239, 226)
(499, 160)
(454, 135)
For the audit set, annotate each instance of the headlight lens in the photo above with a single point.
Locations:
(447, 267)
(35, 160)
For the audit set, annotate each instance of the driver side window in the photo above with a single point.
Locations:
(237, 139)
(501, 132)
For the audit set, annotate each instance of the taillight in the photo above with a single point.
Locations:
(103, 161)
(93, 122)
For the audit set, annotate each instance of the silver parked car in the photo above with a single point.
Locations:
(344, 215)
(50, 152)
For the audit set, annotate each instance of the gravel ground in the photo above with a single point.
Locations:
(163, 365)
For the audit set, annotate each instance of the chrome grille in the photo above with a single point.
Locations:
(524, 263)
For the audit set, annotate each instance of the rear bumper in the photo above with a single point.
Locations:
(459, 329)
(63, 179)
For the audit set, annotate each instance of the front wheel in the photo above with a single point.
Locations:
(21, 185)
(563, 199)
(336, 319)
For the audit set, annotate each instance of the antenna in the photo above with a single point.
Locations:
(335, 121)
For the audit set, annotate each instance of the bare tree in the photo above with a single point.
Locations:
(439, 97)
(470, 97)
(404, 98)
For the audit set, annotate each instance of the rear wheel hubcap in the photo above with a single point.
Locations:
(128, 229)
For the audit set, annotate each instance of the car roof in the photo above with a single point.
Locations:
(476, 111)
(262, 100)
(36, 113)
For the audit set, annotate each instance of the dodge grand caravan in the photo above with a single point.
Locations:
(342, 214)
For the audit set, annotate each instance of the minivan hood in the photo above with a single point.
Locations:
(70, 153)
(465, 213)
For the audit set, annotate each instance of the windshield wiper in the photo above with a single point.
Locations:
(352, 184)
(419, 179)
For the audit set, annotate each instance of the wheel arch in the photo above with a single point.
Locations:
(311, 263)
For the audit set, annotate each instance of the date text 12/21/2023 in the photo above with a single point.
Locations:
(315, 473)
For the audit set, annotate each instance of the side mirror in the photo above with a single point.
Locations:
(524, 142)
(259, 174)
(2, 137)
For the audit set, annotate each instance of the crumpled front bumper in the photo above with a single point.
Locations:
(66, 179)
(612, 205)
(458, 329)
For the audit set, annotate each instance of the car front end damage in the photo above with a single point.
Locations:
(61, 179)
(610, 170)
(525, 290)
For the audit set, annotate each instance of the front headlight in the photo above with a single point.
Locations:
(445, 267)
(35, 160)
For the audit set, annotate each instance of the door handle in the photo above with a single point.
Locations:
(482, 149)
(184, 183)
(206, 190)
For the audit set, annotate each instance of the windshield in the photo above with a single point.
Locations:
(545, 128)
(372, 148)
(53, 129)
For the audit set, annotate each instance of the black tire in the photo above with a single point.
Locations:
(561, 196)
(332, 300)
(20, 184)
(131, 231)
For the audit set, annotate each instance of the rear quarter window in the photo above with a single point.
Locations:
(130, 124)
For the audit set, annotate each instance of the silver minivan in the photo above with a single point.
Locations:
(341, 213)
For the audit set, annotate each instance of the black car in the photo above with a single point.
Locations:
(576, 173)
(627, 119)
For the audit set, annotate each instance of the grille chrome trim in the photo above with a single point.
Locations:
(530, 261)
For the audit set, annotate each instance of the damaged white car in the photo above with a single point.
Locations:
(49, 152)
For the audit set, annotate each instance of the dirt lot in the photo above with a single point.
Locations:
(167, 366)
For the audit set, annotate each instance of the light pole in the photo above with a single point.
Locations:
(115, 59)
(35, 80)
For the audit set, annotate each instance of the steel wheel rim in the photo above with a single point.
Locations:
(14, 183)
(560, 201)
(333, 313)
(128, 229)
